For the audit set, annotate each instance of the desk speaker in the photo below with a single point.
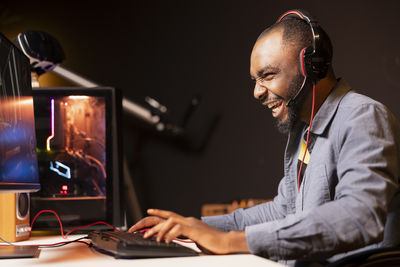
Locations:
(14, 216)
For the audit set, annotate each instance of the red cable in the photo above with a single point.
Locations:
(51, 211)
(61, 226)
(308, 136)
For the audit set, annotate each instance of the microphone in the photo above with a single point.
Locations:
(298, 92)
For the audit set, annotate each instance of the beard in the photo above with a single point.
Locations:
(294, 108)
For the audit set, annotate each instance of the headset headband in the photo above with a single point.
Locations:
(316, 64)
(301, 14)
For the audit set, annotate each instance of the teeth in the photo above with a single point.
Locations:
(273, 104)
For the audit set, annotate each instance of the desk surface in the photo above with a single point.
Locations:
(77, 254)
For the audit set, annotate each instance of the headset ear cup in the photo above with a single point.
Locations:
(302, 66)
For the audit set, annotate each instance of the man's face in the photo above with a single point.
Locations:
(274, 67)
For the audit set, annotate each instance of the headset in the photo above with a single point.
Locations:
(314, 63)
(313, 60)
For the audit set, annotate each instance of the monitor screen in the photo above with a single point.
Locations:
(78, 151)
(18, 160)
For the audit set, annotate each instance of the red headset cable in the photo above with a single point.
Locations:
(308, 136)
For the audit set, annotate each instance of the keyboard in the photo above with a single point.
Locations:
(134, 245)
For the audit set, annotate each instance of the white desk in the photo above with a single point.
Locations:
(77, 254)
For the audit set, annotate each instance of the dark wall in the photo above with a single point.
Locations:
(174, 50)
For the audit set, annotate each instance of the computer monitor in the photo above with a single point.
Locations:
(79, 154)
(18, 161)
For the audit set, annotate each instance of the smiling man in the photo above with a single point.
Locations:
(340, 189)
(274, 68)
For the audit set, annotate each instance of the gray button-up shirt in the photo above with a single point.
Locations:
(349, 189)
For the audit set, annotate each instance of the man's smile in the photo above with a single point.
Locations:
(276, 105)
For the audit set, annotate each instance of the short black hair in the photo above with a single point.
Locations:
(297, 33)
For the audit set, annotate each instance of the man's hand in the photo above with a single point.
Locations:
(168, 225)
(146, 222)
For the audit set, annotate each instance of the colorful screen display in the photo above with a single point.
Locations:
(18, 159)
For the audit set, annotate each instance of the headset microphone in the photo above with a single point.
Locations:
(298, 92)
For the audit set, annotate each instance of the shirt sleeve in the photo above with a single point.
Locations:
(367, 170)
(240, 219)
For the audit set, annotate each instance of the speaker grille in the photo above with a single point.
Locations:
(22, 205)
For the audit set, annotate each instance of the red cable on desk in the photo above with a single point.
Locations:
(61, 226)
(50, 211)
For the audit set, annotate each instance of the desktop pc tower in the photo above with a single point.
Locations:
(79, 157)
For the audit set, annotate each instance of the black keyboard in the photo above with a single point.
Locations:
(133, 245)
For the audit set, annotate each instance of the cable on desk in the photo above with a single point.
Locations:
(49, 211)
(5, 241)
(73, 230)
(54, 245)
(60, 244)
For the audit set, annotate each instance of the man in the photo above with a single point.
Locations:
(340, 189)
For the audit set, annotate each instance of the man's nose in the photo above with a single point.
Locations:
(259, 92)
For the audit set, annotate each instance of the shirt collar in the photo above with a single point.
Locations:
(329, 107)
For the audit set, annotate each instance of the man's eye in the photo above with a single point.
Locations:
(268, 76)
(264, 78)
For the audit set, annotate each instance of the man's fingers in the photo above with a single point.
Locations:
(153, 230)
(145, 222)
(175, 231)
(162, 213)
(166, 227)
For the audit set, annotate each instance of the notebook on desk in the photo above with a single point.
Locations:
(133, 245)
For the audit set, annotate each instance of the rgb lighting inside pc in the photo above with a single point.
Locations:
(71, 144)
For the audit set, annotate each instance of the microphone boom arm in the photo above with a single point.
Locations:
(128, 106)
